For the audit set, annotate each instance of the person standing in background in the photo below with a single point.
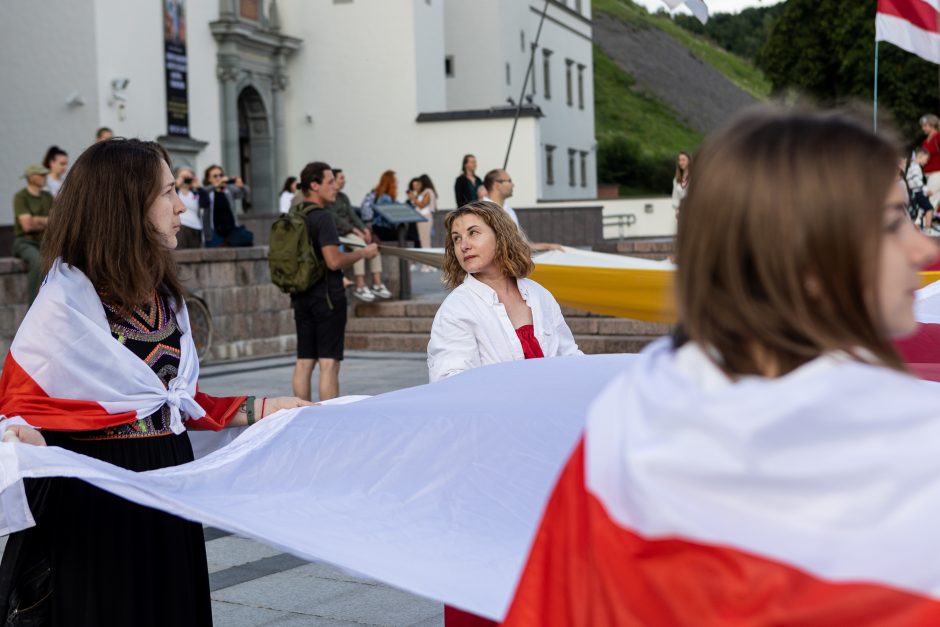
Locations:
(424, 200)
(680, 182)
(30, 216)
(468, 186)
(217, 200)
(351, 226)
(930, 124)
(190, 235)
(320, 311)
(57, 162)
(103, 134)
(286, 199)
(499, 187)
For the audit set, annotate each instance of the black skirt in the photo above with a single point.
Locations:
(109, 561)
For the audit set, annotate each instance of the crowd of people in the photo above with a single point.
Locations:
(771, 290)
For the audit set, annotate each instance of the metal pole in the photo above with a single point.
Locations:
(525, 83)
(875, 114)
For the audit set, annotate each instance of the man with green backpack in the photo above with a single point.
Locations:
(306, 262)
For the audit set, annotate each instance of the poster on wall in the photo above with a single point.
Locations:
(174, 54)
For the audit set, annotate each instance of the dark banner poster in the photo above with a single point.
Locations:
(174, 51)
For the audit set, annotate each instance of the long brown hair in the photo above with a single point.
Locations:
(777, 253)
(682, 176)
(99, 223)
(388, 184)
(513, 255)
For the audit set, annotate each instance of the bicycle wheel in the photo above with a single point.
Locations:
(200, 322)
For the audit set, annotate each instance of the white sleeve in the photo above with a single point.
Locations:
(453, 347)
(566, 342)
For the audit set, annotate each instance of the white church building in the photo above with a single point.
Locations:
(264, 86)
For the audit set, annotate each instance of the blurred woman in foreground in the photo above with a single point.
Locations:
(773, 462)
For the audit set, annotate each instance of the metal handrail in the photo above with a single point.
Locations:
(620, 220)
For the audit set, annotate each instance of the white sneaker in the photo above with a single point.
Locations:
(364, 294)
(381, 291)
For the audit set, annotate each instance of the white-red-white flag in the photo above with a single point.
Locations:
(911, 25)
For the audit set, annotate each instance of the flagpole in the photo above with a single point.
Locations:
(875, 114)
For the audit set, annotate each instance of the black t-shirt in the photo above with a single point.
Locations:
(321, 227)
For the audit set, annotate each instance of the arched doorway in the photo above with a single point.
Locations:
(255, 150)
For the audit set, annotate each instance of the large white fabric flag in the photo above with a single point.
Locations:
(436, 489)
(911, 25)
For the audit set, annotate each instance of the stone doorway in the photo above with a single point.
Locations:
(255, 149)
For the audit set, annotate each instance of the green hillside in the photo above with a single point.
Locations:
(738, 70)
(638, 133)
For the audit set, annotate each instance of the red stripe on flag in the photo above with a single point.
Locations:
(586, 570)
(921, 351)
(21, 396)
(918, 13)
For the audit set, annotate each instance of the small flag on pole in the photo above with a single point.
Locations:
(698, 8)
(911, 25)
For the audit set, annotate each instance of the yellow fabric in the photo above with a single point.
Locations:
(638, 294)
(926, 278)
(622, 292)
(625, 293)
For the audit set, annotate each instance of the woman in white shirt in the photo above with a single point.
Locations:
(495, 314)
(190, 235)
(680, 183)
(57, 162)
(286, 198)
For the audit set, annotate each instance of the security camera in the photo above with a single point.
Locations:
(120, 84)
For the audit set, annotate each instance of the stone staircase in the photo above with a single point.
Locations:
(657, 248)
(405, 326)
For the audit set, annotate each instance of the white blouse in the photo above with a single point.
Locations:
(472, 329)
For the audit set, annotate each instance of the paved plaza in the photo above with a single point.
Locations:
(253, 584)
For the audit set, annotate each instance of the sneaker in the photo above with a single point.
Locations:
(932, 231)
(381, 291)
(364, 294)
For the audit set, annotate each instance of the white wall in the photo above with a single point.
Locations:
(129, 44)
(47, 54)
(205, 106)
(565, 126)
(655, 216)
(430, 87)
(472, 33)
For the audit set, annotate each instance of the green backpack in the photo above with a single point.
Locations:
(292, 260)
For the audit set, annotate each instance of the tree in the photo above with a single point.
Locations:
(826, 49)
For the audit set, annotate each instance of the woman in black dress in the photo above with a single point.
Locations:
(93, 558)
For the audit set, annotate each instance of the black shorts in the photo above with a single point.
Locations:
(320, 330)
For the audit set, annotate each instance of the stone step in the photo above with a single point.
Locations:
(657, 248)
(418, 342)
(395, 309)
(578, 326)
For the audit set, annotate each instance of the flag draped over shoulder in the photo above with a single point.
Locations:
(806, 500)
(66, 372)
(911, 25)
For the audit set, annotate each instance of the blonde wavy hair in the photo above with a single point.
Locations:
(513, 255)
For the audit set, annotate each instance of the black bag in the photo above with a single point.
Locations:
(26, 576)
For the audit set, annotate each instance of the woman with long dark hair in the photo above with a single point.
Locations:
(468, 186)
(105, 365)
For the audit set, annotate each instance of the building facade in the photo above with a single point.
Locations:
(264, 86)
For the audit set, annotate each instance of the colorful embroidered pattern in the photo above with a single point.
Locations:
(150, 332)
